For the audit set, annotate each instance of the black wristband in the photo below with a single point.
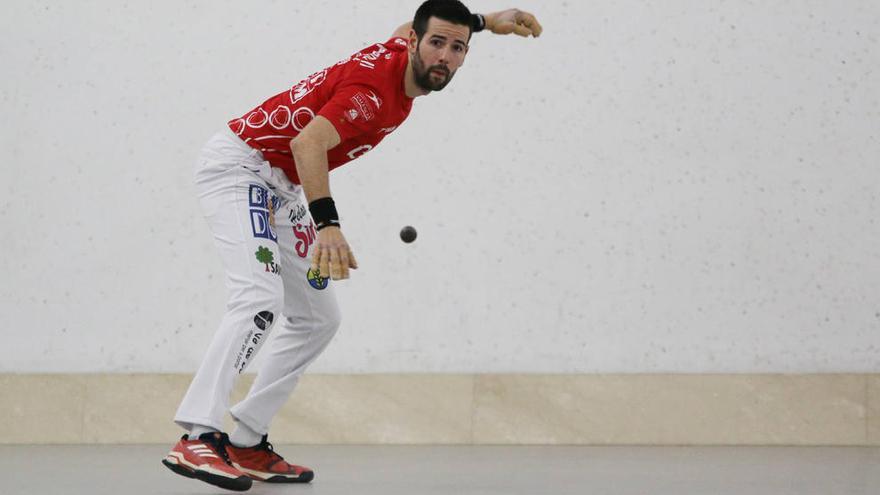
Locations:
(478, 23)
(323, 212)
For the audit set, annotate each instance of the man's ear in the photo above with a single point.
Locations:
(413, 43)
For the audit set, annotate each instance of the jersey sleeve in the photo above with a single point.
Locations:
(396, 43)
(353, 110)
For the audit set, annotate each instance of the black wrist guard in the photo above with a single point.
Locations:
(478, 23)
(323, 212)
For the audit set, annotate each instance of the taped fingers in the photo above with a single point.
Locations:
(527, 24)
(344, 261)
(332, 254)
(335, 269)
(316, 257)
(325, 261)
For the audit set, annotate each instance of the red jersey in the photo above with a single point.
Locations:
(363, 97)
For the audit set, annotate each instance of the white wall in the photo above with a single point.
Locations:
(651, 186)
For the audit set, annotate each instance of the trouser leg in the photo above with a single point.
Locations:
(310, 319)
(236, 203)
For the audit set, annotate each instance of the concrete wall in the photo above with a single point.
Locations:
(685, 187)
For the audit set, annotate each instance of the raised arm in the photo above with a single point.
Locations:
(507, 21)
(402, 31)
(513, 21)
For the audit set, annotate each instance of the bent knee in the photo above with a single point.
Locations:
(327, 323)
(263, 303)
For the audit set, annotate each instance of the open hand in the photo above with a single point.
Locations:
(332, 255)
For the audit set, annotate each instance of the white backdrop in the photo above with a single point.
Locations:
(652, 186)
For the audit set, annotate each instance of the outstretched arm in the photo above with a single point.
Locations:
(402, 31)
(513, 21)
(503, 22)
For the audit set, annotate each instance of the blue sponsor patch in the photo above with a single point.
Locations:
(262, 207)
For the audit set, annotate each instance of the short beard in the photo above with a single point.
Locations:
(423, 76)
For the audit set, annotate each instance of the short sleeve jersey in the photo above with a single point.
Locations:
(363, 97)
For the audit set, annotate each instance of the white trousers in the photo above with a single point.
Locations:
(262, 227)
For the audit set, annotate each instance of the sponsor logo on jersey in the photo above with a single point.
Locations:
(316, 280)
(267, 257)
(280, 117)
(375, 99)
(237, 126)
(307, 85)
(361, 103)
(365, 59)
(262, 209)
(360, 150)
(257, 118)
(301, 118)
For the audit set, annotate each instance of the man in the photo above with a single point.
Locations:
(251, 179)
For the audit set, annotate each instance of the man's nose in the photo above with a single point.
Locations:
(444, 56)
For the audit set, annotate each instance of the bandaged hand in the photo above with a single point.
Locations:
(513, 21)
(332, 256)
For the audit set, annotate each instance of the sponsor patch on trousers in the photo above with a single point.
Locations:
(264, 319)
(265, 256)
(262, 209)
(316, 280)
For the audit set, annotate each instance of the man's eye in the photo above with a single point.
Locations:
(458, 48)
(435, 42)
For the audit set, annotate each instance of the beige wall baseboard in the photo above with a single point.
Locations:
(822, 409)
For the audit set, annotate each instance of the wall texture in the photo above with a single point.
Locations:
(650, 187)
(509, 409)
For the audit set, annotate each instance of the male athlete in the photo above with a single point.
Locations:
(264, 188)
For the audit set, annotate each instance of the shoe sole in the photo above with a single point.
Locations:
(240, 484)
(303, 478)
(276, 478)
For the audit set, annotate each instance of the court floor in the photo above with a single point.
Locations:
(452, 470)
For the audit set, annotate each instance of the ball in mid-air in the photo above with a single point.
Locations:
(407, 234)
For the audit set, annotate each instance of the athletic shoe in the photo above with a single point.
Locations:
(262, 463)
(206, 459)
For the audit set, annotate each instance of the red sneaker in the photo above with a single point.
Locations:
(263, 464)
(206, 459)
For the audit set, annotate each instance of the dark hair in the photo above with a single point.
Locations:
(449, 10)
